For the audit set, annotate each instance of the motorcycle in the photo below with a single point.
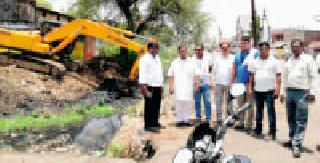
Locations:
(205, 143)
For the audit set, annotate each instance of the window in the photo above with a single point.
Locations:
(279, 37)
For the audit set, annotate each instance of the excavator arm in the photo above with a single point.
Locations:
(94, 29)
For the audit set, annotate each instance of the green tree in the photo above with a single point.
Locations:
(163, 18)
(201, 23)
(129, 9)
(44, 3)
(85, 9)
(190, 23)
(158, 11)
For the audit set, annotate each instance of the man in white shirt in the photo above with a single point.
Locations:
(182, 76)
(222, 74)
(204, 63)
(299, 88)
(151, 85)
(265, 74)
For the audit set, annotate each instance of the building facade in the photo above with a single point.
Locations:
(23, 14)
(243, 26)
(17, 13)
(43, 14)
(284, 36)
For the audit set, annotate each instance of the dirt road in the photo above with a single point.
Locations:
(259, 151)
(267, 151)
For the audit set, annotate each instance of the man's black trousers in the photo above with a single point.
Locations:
(152, 107)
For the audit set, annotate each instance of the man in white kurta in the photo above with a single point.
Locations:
(183, 78)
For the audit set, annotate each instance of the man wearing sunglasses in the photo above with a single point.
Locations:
(151, 85)
(204, 64)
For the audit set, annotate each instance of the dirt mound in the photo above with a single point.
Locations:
(25, 90)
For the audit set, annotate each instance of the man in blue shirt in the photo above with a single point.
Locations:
(240, 74)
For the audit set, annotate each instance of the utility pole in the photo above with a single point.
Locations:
(254, 23)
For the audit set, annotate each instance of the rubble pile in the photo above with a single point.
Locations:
(131, 136)
(24, 90)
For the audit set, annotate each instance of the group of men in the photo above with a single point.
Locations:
(264, 77)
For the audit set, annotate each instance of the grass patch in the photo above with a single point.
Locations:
(42, 120)
(98, 111)
(115, 150)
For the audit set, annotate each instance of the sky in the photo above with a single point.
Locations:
(281, 13)
(59, 5)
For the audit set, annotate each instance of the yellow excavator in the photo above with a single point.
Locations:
(58, 41)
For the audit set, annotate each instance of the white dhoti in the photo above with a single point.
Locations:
(183, 109)
(183, 73)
